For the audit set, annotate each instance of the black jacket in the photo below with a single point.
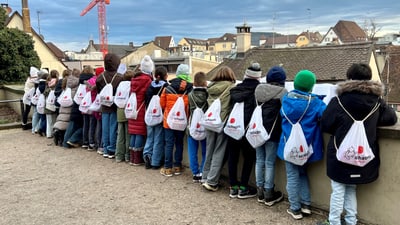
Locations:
(358, 97)
(244, 92)
(270, 96)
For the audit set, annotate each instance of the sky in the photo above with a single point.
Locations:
(141, 21)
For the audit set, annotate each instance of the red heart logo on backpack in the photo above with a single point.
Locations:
(178, 113)
(210, 114)
(198, 125)
(154, 110)
(360, 149)
(301, 148)
(254, 125)
(232, 120)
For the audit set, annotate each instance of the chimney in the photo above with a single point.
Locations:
(243, 39)
(26, 19)
(131, 44)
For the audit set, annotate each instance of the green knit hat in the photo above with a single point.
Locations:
(304, 81)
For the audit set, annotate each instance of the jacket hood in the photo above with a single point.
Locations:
(111, 62)
(266, 92)
(215, 89)
(363, 86)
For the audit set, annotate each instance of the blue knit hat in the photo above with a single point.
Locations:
(276, 75)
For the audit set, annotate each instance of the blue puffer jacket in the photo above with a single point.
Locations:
(294, 103)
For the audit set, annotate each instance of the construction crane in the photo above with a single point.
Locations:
(101, 8)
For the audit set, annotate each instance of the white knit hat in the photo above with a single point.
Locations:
(147, 65)
(254, 71)
(33, 72)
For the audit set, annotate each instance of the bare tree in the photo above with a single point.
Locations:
(371, 28)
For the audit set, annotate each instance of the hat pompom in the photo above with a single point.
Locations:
(147, 65)
(254, 71)
(304, 81)
(276, 75)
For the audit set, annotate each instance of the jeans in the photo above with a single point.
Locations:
(50, 120)
(98, 134)
(173, 137)
(42, 123)
(35, 120)
(123, 138)
(89, 129)
(249, 156)
(215, 156)
(193, 147)
(297, 186)
(137, 141)
(154, 146)
(109, 132)
(73, 133)
(343, 196)
(265, 165)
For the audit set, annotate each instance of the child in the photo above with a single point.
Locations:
(179, 86)
(62, 120)
(243, 92)
(42, 87)
(50, 115)
(358, 96)
(29, 84)
(122, 151)
(153, 153)
(197, 98)
(96, 126)
(109, 113)
(88, 119)
(137, 127)
(298, 103)
(219, 87)
(269, 95)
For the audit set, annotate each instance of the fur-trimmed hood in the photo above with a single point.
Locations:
(363, 86)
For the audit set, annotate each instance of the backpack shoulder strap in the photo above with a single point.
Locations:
(376, 106)
(301, 117)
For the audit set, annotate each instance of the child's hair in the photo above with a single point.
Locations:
(44, 76)
(160, 73)
(359, 71)
(76, 72)
(128, 75)
(224, 74)
(66, 73)
(88, 69)
(54, 74)
(200, 79)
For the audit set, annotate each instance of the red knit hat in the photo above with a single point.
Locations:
(99, 70)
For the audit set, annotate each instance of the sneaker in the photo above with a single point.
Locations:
(75, 145)
(196, 178)
(260, 194)
(111, 156)
(272, 197)
(85, 146)
(326, 222)
(247, 192)
(305, 209)
(296, 214)
(100, 151)
(166, 172)
(178, 170)
(210, 187)
(234, 191)
(147, 161)
(117, 160)
(90, 147)
(105, 155)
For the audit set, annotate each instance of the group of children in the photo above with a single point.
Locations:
(160, 145)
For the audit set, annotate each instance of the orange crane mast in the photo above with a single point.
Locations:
(101, 8)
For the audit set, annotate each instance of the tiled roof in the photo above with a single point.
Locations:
(163, 41)
(119, 50)
(392, 64)
(349, 31)
(315, 37)
(227, 37)
(57, 52)
(329, 63)
(192, 41)
(211, 41)
(281, 40)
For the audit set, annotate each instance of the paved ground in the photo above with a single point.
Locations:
(45, 184)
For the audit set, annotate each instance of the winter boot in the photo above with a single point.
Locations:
(271, 197)
(56, 134)
(132, 156)
(138, 157)
(260, 195)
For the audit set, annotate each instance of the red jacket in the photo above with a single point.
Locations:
(139, 85)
